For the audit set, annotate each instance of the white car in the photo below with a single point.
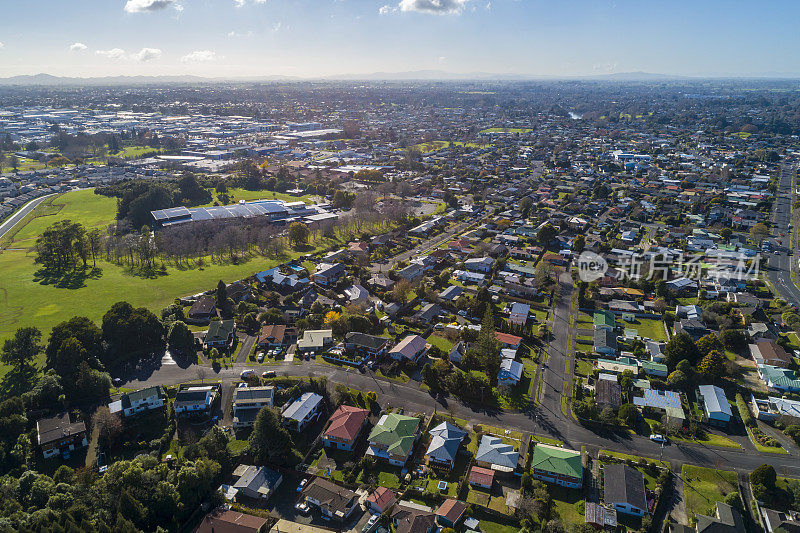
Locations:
(661, 439)
(247, 374)
(260, 357)
(302, 507)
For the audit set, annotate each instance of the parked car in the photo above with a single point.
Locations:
(268, 374)
(301, 485)
(661, 439)
(260, 357)
(247, 374)
(302, 507)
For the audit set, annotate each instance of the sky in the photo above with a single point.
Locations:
(315, 38)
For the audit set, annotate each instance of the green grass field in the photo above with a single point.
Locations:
(26, 302)
(650, 328)
(248, 196)
(703, 487)
(506, 130)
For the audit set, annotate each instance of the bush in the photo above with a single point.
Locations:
(744, 411)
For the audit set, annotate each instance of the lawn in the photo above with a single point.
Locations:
(520, 395)
(765, 449)
(547, 440)
(487, 526)
(26, 302)
(565, 502)
(636, 458)
(234, 195)
(583, 367)
(703, 487)
(650, 328)
(440, 342)
(134, 151)
(710, 439)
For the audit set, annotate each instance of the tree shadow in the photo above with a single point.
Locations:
(73, 279)
(17, 381)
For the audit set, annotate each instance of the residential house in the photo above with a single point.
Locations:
(202, 310)
(693, 312)
(623, 488)
(779, 379)
(656, 350)
(135, 402)
(333, 501)
(248, 401)
(510, 372)
(493, 453)
(345, 425)
(445, 442)
(774, 408)
(221, 334)
(451, 293)
(518, 316)
(328, 274)
(238, 291)
(745, 299)
(393, 438)
(768, 352)
(650, 368)
(303, 410)
(777, 521)
(479, 264)
(194, 400)
(427, 313)
(695, 328)
(481, 477)
(557, 465)
(58, 435)
(715, 405)
(605, 341)
(666, 401)
(380, 500)
(315, 340)
(380, 281)
(469, 278)
(450, 513)
(257, 482)
(600, 516)
(409, 517)
(276, 336)
(369, 345)
(412, 272)
(727, 520)
(507, 340)
(223, 520)
(608, 393)
(410, 348)
(604, 320)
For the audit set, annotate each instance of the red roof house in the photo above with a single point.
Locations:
(345, 426)
(450, 512)
(381, 499)
(482, 477)
(507, 340)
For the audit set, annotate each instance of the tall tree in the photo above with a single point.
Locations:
(22, 349)
(269, 441)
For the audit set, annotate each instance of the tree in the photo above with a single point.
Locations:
(269, 441)
(708, 343)
(765, 476)
(108, 424)
(129, 330)
(712, 366)
(525, 206)
(733, 339)
(546, 234)
(680, 347)
(578, 244)
(180, 338)
(759, 232)
(222, 294)
(677, 380)
(628, 414)
(22, 349)
(298, 233)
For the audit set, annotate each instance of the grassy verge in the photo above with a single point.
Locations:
(703, 487)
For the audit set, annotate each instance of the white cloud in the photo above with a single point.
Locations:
(2, 45)
(179, 8)
(434, 7)
(199, 56)
(385, 10)
(277, 26)
(146, 54)
(142, 6)
(233, 33)
(77, 47)
(114, 53)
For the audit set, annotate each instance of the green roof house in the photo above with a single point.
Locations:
(393, 438)
(604, 320)
(557, 465)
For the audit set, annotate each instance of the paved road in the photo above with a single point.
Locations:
(12, 221)
(780, 265)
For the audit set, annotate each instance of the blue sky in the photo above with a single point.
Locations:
(231, 38)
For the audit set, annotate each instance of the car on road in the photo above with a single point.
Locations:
(268, 374)
(247, 374)
(656, 437)
(301, 485)
(260, 357)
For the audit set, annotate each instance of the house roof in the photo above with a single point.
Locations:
(557, 460)
(452, 510)
(230, 522)
(364, 340)
(252, 395)
(409, 346)
(57, 427)
(728, 520)
(445, 441)
(494, 451)
(771, 351)
(714, 400)
(258, 479)
(507, 338)
(142, 394)
(481, 476)
(412, 519)
(396, 432)
(623, 484)
(302, 407)
(272, 333)
(381, 497)
(314, 338)
(346, 422)
(220, 330)
(331, 496)
(659, 398)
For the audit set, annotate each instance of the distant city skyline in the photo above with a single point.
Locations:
(319, 38)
